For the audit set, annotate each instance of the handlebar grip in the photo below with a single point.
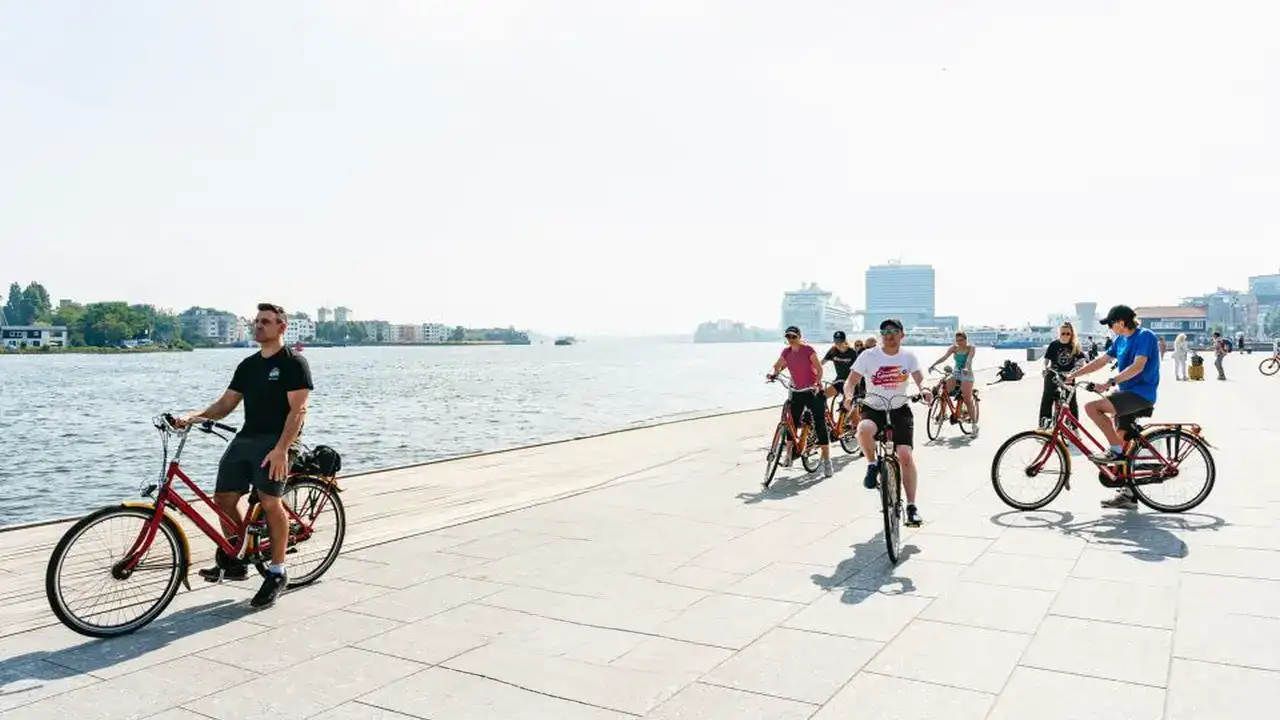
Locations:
(226, 428)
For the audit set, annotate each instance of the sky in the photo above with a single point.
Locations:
(589, 166)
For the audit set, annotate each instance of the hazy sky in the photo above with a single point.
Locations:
(606, 167)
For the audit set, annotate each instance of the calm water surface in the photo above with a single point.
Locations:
(75, 430)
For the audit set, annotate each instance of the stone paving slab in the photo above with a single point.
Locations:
(646, 575)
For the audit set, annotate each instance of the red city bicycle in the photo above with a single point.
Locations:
(137, 554)
(1155, 458)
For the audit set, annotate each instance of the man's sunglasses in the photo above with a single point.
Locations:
(887, 332)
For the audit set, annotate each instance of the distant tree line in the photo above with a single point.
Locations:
(100, 324)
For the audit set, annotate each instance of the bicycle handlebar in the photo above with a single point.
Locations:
(786, 383)
(207, 426)
(910, 398)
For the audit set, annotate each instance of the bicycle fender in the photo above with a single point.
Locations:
(182, 534)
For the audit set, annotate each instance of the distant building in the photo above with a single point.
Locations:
(322, 315)
(220, 328)
(905, 292)
(1168, 322)
(408, 333)
(435, 333)
(342, 314)
(299, 329)
(1086, 317)
(1230, 311)
(815, 312)
(33, 336)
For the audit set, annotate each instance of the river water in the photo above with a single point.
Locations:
(75, 430)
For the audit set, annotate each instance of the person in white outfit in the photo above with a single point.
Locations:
(1180, 353)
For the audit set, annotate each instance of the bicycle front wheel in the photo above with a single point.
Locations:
(317, 527)
(1029, 470)
(88, 586)
(962, 412)
(891, 503)
(935, 417)
(1187, 486)
(777, 447)
(1270, 366)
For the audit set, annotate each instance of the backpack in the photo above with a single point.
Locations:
(1010, 371)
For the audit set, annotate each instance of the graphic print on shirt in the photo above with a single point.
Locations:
(889, 376)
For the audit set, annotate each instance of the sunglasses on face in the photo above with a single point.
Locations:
(791, 336)
(264, 321)
(889, 332)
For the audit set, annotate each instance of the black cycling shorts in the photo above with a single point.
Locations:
(1127, 403)
(904, 425)
(241, 466)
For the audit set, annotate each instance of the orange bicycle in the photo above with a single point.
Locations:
(790, 442)
(844, 424)
(949, 406)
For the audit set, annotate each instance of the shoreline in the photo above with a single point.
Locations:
(92, 351)
(640, 425)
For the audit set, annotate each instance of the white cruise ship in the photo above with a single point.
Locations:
(816, 312)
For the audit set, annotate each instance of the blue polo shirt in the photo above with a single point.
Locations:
(1143, 343)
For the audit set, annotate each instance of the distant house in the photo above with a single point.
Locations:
(1168, 321)
(33, 336)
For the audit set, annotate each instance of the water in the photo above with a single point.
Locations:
(75, 430)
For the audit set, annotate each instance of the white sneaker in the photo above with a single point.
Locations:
(827, 470)
(1122, 501)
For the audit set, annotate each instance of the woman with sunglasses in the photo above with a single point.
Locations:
(963, 353)
(801, 360)
(1062, 356)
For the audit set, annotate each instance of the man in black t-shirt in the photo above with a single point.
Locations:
(274, 383)
(841, 355)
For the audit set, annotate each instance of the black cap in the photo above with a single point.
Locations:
(839, 336)
(891, 322)
(1119, 312)
(792, 330)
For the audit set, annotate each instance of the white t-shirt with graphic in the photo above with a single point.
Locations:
(886, 375)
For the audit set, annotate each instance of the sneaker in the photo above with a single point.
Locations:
(225, 569)
(1123, 500)
(272, 585)
(1108, 457)
(873, 474)
(913, 517)
(827, 469)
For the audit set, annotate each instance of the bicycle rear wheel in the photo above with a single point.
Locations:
(1270, 366)
(87, 586)
(965, 422)
(777, 447)
(1188, 486)
(891, 503)
(315, 535)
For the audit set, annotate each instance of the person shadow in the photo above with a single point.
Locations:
(784, 487)
(867, 572)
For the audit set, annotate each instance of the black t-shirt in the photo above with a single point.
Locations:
(843, 360)
(1062, 357)
(265, 383)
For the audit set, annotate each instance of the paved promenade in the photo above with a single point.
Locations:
(644, 574)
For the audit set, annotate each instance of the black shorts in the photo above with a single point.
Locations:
(904, 425)
(241, 466)
(839, 386)
(1127, 403)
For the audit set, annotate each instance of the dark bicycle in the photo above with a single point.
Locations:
(890, 474)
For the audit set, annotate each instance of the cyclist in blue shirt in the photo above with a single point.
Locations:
(1136, 352)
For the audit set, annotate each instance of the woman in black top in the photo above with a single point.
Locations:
(841, 355)
(1062, 356)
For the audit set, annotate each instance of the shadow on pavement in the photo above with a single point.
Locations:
(25, 673)
(1145, 536)
(870, 563)
(788, 487)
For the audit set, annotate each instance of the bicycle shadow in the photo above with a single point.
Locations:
(952, 443)
(31, 671)
(867, 571)
(791, 486)
(1144, 536)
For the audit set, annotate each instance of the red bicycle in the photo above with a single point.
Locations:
(789, 441)
(1145, 469)
(136, 553)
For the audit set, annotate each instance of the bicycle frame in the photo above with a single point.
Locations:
(1064, 433)
(168, 496)
(833, 428)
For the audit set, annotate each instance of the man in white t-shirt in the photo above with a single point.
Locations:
(886, 369)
